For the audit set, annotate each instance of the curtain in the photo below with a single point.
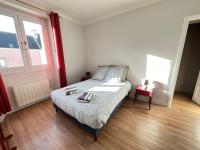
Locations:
(55, 24)
(4, 101)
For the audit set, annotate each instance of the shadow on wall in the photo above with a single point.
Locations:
(157, 72)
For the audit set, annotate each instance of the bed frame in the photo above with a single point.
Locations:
(92, 131)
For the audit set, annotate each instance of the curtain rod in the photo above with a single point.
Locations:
(35, 7)
(32, 6)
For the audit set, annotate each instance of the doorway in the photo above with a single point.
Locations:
(190, 64)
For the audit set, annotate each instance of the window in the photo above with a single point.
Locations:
(22, 42)
(35, 41)
(10, 53)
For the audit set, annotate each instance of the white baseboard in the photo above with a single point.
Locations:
(28, 105)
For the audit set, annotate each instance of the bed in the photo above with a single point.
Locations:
(107, 97)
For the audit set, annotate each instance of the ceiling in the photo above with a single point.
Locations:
(89, 11)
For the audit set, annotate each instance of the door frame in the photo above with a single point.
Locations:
(187, 21)
(196, 89)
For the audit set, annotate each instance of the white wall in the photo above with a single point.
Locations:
(74, 50)
(127, 39)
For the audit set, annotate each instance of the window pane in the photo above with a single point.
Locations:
(10, 53)
(35, 40)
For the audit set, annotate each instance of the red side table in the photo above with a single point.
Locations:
(141, 90)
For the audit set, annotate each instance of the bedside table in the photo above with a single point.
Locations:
(141, 90)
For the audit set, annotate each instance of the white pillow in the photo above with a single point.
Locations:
(114, 74)
(100, 73)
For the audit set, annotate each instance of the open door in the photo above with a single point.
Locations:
(196, 95)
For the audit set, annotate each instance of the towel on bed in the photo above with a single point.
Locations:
(71, 90)
(85, 97)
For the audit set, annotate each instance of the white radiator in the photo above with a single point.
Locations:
(27, 93)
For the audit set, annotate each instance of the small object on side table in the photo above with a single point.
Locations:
(88, 76)
(144, 91)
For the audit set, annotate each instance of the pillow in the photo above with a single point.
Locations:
(125, 73)
(114, 74)
(100, 73)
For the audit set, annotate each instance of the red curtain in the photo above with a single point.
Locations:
(55, 23)
(4, 101)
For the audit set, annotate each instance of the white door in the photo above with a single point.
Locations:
(196, 95)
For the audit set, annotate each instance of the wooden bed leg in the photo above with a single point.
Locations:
(95, 138)
(56, 108)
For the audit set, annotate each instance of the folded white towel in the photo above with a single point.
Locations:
(71, 90)
(85, 97)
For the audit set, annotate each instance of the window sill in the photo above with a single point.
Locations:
(11, 71)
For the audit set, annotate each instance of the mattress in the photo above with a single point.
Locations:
(106, 96)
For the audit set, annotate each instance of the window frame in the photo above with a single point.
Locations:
(19, 17)
(44, 32)
(18, 33)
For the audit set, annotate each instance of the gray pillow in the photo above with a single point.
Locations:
(114, 74)
(100, 73)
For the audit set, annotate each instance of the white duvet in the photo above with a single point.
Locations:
(106, 97)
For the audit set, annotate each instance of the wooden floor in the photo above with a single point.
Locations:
(39, 127)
